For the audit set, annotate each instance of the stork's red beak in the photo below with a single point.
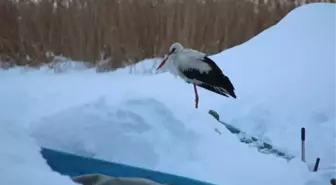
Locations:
(164, 61)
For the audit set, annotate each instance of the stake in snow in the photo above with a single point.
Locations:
(196, 68)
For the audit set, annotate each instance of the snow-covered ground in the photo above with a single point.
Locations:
(284, 80)
(20, 161)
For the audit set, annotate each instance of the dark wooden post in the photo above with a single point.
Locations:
(317, 162)
(303, 138)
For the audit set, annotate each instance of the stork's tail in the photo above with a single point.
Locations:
(223, 87)
(227, 85)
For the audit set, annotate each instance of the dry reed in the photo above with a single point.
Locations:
(127, 31)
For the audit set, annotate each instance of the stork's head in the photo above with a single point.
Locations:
(174, 49)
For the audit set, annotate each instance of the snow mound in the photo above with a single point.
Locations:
(62, 64)
(145, 67)
(134, 123)
(172, 137)
(285, 80)
(144, 132)
(21, 162)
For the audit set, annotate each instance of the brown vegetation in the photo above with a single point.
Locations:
(128, 30)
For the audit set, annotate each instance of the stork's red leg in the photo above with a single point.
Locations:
(196, 97)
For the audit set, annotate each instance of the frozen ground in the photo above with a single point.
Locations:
(285, 79)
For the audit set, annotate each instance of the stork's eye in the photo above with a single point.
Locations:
(173, 50)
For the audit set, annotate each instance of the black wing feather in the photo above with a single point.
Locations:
(214, 80)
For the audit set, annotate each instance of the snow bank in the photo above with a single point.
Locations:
(284, 79)
(132, 122)
(145, 67)
(21, 162)
(292, 84)
(147, 128)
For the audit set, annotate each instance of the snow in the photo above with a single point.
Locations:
(298, 55)
(284, 80)
(21, 162)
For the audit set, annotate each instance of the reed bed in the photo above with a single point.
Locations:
(127, 31)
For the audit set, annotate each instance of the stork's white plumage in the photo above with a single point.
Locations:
(196, 68)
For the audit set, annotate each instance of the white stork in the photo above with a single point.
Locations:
(196, 68)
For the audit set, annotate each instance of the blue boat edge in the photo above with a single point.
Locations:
(74, 165)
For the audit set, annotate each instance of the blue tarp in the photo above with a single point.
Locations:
(73, 165)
